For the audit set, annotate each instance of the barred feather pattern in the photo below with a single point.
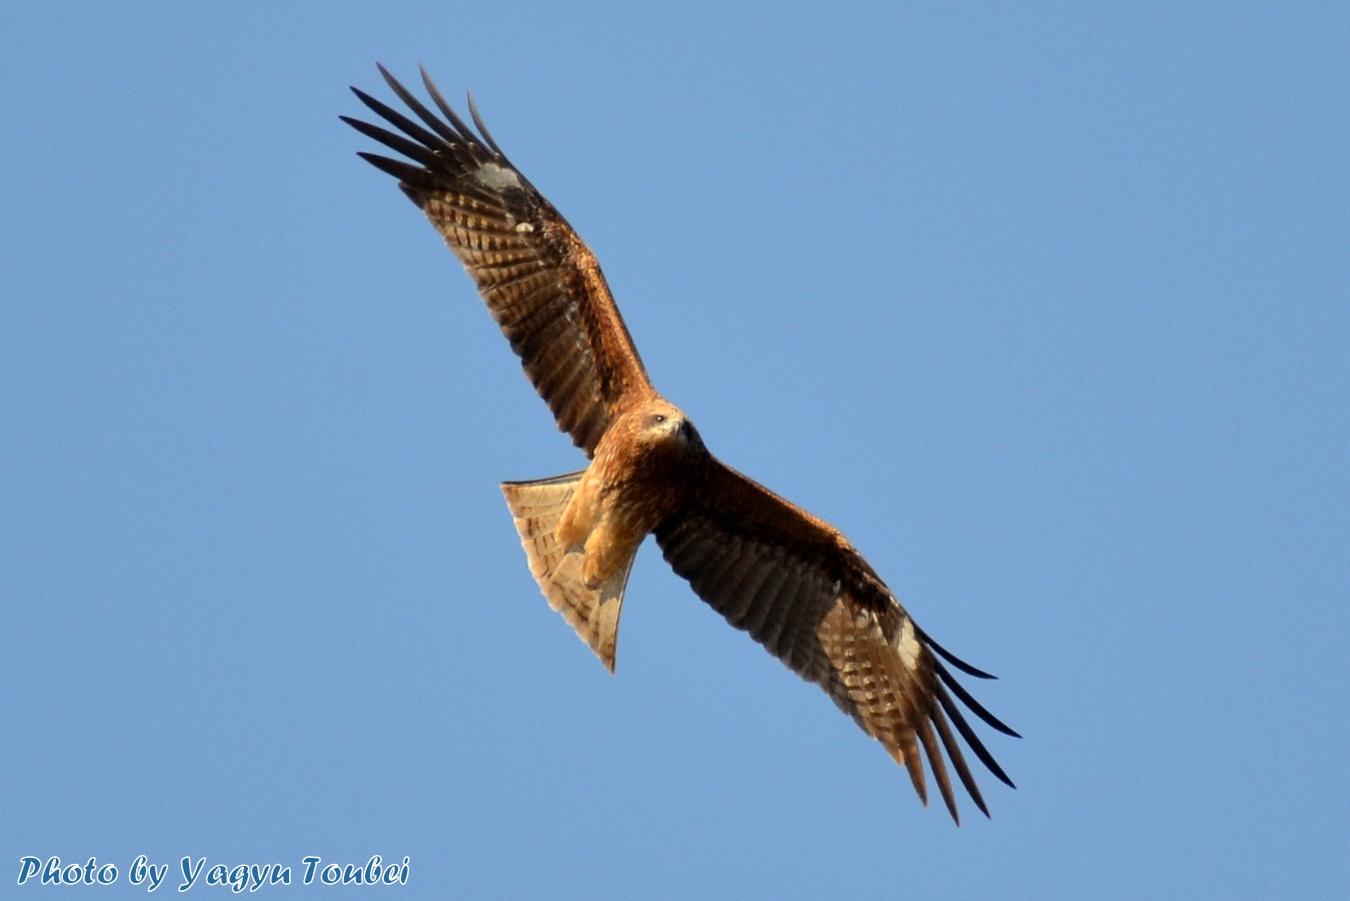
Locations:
(799, 589)
(540, 281)
(593, 613)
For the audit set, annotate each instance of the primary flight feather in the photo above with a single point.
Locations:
(791, 580)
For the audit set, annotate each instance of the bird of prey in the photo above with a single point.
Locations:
(789, 579)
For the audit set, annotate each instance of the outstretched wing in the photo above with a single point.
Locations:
(800, 589)
(540, 281)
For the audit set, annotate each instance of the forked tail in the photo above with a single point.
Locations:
(592, 612)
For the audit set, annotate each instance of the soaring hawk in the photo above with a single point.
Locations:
(791, 580)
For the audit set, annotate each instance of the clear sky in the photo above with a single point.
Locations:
(1047, 308)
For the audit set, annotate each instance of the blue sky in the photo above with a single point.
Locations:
(1048, 309)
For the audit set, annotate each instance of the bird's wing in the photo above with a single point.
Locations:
(800, 589)
(539, 279)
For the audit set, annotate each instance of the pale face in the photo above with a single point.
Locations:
(663, 423)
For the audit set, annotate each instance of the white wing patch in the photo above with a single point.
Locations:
(496, 177)
(907, 643)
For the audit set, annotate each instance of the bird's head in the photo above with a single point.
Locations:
(663, 423)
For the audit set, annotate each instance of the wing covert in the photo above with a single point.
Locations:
(540, 281)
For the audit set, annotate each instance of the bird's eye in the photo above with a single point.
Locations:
(658, 419)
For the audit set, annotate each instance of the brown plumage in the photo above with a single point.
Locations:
(773, 570)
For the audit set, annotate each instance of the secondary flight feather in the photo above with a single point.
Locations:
(789, 579)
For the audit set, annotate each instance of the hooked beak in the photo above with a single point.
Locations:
(689, 434)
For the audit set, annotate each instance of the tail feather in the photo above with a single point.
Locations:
(593, 612)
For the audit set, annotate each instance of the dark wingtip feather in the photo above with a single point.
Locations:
(976, 707)
(908, 757)
(424, 138)
(971, 738)
(482, 129)
(411, 178)
(958, 759)
(368, 100)
(446, 133)
(466, 133)
(411, 149)
(939, 767)
(952, 658)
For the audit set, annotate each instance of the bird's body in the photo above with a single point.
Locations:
(789, 579)
(615, 507)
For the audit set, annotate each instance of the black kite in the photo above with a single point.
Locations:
(772, 569)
